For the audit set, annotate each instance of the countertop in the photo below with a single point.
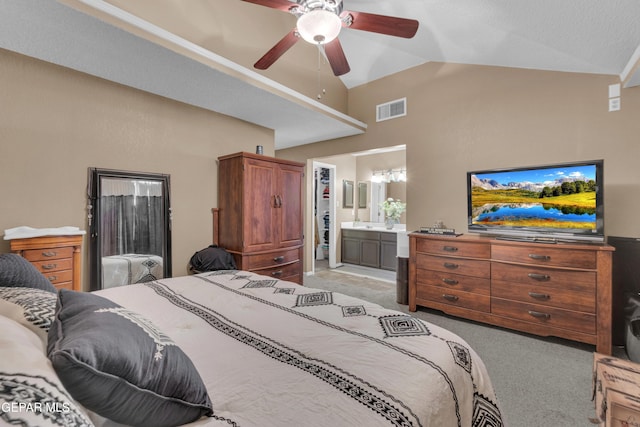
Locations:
(373, 226)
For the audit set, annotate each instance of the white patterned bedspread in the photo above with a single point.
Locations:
(273, 353)
(121, 270)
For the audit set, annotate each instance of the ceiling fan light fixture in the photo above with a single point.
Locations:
(319, 26)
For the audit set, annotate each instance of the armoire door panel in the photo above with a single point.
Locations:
(260, 214)
(290, 206)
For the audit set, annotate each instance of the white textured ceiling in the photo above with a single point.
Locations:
(583, 36)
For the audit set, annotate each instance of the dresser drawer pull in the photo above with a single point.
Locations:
(540, 296)
(278, 259)
(277, 273)
(450, 281)
(450, 265)
(539, 315)
(450, 249)
(539, 277)
(540, 257)
(450, 297)
(49, 254)
(49, 266)
(52, 278)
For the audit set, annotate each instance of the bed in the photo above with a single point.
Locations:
(125, 269)
(267, 353)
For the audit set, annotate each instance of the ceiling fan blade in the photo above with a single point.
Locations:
(277, 51)
(389, 25)
(336, 57)
(284, 5)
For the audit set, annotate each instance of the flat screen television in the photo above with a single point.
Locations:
(561, 201)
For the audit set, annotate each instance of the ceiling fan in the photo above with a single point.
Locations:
(319, 22)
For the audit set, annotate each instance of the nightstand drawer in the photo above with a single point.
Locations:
(47, 254)
(59, 276)
(48, 266)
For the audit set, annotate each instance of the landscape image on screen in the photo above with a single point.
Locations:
(556, 198)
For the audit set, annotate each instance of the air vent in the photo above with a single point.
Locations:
(391, 110)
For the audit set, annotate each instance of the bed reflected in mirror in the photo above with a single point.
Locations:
(129, 217)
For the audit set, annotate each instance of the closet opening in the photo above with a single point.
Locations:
(324, 216)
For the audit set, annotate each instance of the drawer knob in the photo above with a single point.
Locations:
(539, 315)
(539, 277)
(539, 296)
(278, 259)
(540, 257)
(49, 254)
(450, 281)
(450, 297)
(49, 266)
(277, 273)
(450, 249)
(52, 278)
(450, 265)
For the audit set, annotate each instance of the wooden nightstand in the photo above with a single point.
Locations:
(59, 258)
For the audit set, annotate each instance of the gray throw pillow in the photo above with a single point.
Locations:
(119, 365)
(17, 271)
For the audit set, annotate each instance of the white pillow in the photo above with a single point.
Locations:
(33, 308)
(30, 392)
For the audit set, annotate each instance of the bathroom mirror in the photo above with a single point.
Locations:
(362, 195)
(129, 223)
(347, 194)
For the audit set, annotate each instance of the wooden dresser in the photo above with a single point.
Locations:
(59, 258)
(547, 289)
(260, 214)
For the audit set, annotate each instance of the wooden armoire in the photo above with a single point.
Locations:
(260, 210)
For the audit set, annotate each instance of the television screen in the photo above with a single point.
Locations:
(562, 200)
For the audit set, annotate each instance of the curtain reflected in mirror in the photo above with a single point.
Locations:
(129, 221)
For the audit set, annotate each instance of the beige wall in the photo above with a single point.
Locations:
(462, 117)
(55, 123)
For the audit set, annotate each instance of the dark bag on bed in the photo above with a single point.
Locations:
(212, 258)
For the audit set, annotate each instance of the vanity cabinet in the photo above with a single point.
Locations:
(374, 249)
(260, 214)
(547, 289)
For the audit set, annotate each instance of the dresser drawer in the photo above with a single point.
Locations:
(545, 295)
(284, 256)
(455, 298)
(468, 267)
(50, 265)
(64, 285)
(458, 282)
(544, 255)
(59, 276)
(47, 254)
(540, 314)
(569, 280)
(284, 272)
(452, 247)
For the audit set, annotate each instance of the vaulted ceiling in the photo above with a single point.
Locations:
(202, 51)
